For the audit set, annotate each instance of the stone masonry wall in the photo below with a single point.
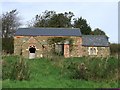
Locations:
(77, 47)
(102, 51)
(23, 43)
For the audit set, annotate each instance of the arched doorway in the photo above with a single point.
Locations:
(32, 50)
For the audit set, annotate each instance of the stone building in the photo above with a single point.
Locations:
(81, 45)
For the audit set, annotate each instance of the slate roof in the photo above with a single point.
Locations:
(95, 40)
(48, 32)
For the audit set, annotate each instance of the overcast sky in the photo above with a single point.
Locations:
(103, 15)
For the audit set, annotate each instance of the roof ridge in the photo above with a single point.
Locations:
(47, 28)
(93, 35)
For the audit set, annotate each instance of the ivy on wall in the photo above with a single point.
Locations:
(60, 40)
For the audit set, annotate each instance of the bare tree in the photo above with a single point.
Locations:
(10, 22)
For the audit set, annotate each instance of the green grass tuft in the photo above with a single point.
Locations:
(45, 73)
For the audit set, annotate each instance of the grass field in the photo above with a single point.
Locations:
(46, 73)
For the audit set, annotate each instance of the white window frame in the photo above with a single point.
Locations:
(94, 53)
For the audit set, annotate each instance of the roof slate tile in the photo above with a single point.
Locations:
(48, 32)
(94, 40)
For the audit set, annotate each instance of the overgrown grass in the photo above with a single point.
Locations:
(94, 68)
(15, 70)
(53, 73)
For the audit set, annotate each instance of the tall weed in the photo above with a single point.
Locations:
(15, 69)
(94, 68)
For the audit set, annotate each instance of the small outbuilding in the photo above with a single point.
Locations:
(37, 38)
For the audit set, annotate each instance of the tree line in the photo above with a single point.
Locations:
(11, 22)
(63, 20)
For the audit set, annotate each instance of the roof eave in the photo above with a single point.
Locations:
(48, 35)
(96, 45)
